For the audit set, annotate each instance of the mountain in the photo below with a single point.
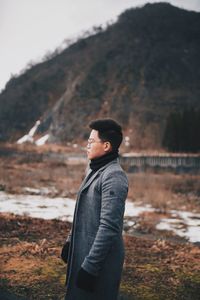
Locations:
(137, 70)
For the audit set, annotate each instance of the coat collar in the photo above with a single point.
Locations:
(86, 182)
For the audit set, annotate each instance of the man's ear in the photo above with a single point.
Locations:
(107, 147)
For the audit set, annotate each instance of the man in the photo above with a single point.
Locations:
(95, 249)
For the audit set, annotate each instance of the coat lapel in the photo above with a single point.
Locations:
(86, 182)
(85, 179)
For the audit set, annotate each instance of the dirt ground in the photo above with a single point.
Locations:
(158, 265)
(31, 267)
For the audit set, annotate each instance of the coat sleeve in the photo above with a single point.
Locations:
(114, 193)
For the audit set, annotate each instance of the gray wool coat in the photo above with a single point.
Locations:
(96, 242)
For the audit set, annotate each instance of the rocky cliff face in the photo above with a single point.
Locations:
(137, 71)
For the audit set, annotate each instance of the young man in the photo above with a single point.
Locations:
(95, 248)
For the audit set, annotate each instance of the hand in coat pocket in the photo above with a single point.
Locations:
(86, 281)
(65, 251)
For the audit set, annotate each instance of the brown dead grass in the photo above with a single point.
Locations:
(166, 191)
(31, 266)
(65, 179)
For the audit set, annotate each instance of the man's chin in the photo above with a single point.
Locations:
(89, 156)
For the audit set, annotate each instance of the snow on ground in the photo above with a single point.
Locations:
(182, 223)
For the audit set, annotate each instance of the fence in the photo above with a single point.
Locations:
(137, 162)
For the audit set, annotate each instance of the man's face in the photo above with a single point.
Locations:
(95, 147)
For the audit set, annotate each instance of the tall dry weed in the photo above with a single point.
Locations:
(165, 191)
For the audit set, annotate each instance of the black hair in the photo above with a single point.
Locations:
(108, 130)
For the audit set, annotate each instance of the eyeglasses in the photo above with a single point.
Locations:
(91, 141)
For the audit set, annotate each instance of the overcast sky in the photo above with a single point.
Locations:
(31, 28)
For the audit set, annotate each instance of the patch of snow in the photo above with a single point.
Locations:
(26, 138)
(186, 225)
(127, 141)
(42, 140)
(29, 137)
(34, 128)
(42, 191)
(132, 210)
(38, 206)
(182, 223)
